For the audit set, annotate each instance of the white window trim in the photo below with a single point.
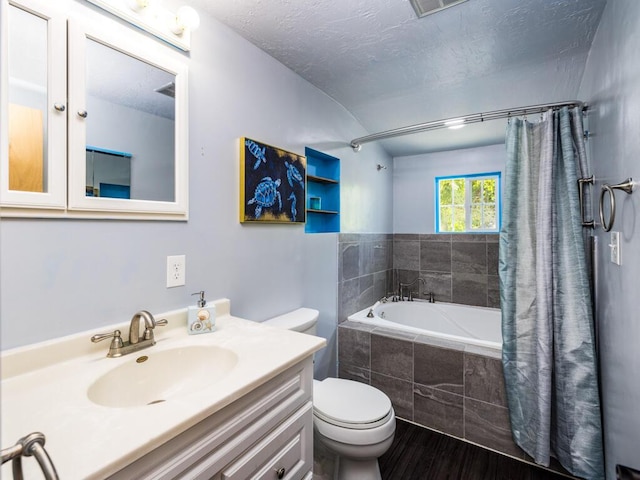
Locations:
(468, 204)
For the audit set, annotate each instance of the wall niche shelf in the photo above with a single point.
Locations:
(323, 192)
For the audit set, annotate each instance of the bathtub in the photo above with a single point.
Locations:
(470, 325)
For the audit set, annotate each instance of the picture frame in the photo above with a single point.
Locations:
(273, 184)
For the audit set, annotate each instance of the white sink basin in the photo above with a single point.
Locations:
(150, 377)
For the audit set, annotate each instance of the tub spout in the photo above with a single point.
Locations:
(432, 298)
(402, 286)
(370, 314)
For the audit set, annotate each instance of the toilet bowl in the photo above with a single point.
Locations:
(353, 420)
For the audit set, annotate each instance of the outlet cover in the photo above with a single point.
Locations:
(176, 270)
(615, 247)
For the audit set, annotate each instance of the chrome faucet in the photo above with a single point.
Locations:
(402, 286)
(119, 347)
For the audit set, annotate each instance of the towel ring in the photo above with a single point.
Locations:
(627, 187)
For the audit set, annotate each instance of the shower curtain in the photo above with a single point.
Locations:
(549, 355)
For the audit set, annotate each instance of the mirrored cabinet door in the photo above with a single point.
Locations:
(127, 124)
(33, 105)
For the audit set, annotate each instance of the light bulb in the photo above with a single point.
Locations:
(186, 18)
(137, 5)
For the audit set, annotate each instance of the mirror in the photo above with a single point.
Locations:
(132, 112)
(108, 173)
(93, 117)
(27, 101)
(33, 103)
(127, 123)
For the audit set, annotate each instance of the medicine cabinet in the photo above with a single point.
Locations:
(93, 115)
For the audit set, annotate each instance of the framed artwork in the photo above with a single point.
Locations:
(272, 184)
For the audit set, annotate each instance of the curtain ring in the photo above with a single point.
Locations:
(607, 225)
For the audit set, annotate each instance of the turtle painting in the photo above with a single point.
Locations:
(257, 152)
(294, 210)
(293, 174)
(265, 195)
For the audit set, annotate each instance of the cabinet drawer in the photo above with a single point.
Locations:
(202, 451)
(286, 453)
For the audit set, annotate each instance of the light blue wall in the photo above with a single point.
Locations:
(611, 86)
(414, 182)
(59, 277)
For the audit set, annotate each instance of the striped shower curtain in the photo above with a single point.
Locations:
(549, 355)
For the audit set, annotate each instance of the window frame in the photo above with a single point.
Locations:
(497, 175)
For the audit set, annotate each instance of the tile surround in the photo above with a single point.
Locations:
(457, 268)
(445, 386)
(365, 270)
(441, 385)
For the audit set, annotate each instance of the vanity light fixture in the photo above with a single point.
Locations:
(137, 5)
(186, 19)
(427, 7)
(172, 27)
(455, 124)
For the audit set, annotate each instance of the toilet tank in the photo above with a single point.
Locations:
(302, 320)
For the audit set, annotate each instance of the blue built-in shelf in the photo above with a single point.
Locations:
(323, 192)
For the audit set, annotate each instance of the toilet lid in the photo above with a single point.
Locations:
(350, 404)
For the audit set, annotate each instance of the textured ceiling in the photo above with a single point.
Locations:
(391, 69)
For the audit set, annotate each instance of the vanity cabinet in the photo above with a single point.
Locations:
(77, 82)
(323, 192)
(266, 434)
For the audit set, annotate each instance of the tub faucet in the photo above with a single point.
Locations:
(410, 284)
(432, 298)
(119, 347)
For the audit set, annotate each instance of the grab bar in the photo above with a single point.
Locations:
(581, 181)
(32, 444)
(626, 186)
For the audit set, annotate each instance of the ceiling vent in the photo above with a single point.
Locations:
(169, 90)
(427, 7)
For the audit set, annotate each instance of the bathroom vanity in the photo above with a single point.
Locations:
(233, 404)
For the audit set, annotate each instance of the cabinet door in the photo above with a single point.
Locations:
(286, 453)
(32, 104)
(130, 101)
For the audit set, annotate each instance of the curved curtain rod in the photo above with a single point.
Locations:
(356, 143)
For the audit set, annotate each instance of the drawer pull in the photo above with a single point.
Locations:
(280, 472)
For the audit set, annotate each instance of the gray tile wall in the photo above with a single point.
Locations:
(457, 268)
(365, 270)
(442, 385)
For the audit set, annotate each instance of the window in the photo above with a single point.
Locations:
(468, 203)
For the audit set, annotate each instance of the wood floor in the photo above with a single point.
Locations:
(418, 453)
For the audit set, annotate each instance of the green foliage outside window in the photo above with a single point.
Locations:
(468, 204)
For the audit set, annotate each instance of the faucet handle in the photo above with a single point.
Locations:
(103, 336)
(148, 331)
(116, 343)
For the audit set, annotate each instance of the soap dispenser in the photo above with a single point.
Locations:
(201, 318)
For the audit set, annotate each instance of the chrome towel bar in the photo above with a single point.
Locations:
(32, 444)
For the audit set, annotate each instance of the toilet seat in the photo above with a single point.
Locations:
(350, 404)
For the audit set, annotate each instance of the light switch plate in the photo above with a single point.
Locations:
(176, 270)
(615, 247)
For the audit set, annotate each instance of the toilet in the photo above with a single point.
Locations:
(353, 420)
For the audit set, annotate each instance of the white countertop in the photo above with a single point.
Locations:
(44, 388)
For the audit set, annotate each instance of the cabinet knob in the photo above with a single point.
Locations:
(280, 472)
(82, 113)
(59, 107)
